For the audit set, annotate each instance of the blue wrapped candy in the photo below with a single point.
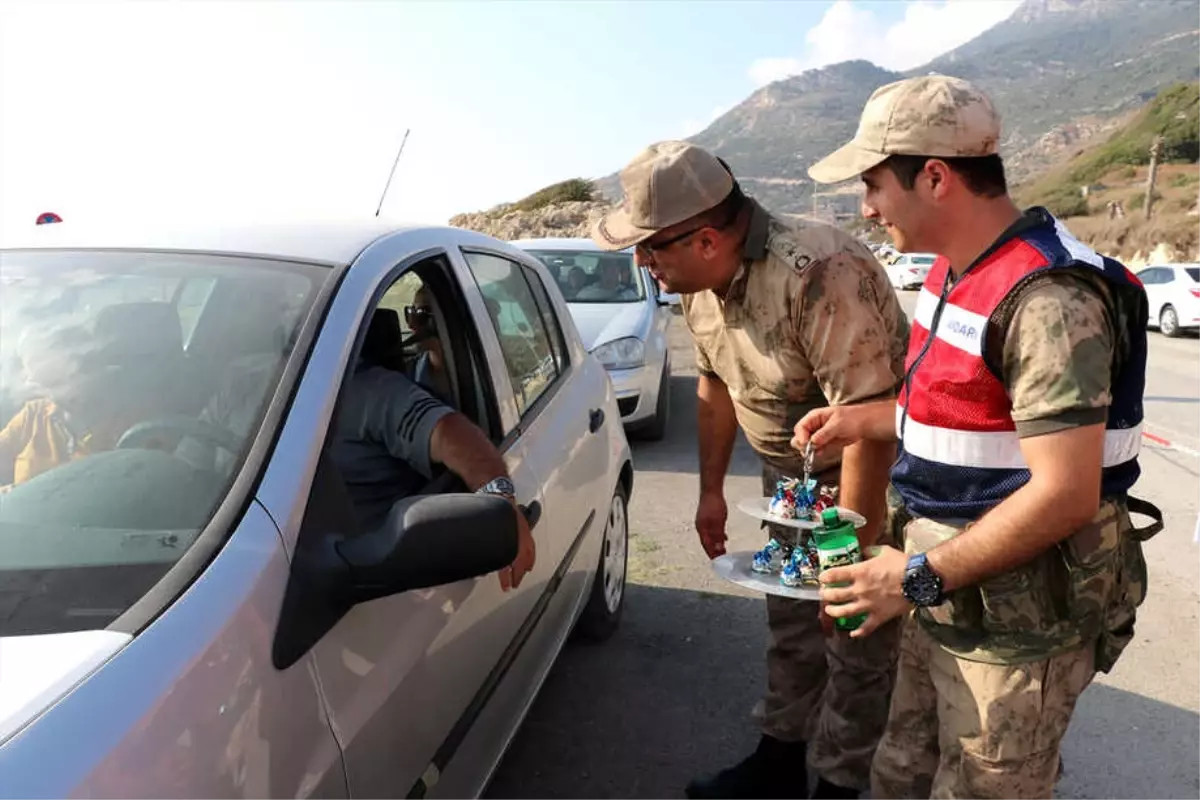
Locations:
(802, 567)
(770, 559)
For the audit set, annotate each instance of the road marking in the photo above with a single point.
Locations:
(1167, 444)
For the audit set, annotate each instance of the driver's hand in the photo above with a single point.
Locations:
(512, 575)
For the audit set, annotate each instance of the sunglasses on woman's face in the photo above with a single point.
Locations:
(418, 316)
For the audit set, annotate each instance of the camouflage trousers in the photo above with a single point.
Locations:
(830, 692)
(962, 728)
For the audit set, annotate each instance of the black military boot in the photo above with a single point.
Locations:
(774, 770)
(831, 791)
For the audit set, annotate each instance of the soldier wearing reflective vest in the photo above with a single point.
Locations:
(1019, 424)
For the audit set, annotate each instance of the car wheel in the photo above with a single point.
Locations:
(656, 429)
(602, 613)
(1168, 322)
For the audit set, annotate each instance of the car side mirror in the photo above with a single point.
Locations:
(428, 541)
(668, 299)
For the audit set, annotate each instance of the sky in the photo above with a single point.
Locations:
(295, 110)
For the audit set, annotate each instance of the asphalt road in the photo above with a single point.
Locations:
(669, 695)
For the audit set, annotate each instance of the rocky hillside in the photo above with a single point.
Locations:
(564, 210)
(1059, 70)
(568, 220)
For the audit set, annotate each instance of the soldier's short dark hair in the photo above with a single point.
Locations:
(725, 212)
(984, 175)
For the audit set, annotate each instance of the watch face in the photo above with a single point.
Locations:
(922, 587)
(501, 486)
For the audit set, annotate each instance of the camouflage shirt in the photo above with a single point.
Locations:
(809, 320)
(1058, 350)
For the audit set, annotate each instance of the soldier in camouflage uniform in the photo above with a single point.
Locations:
(1019, 424)
(785, 318)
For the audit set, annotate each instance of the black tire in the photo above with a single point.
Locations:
(1168, 322)
(656, 428)
(602, 614)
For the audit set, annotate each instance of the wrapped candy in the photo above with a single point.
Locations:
(826, 499)
(771, 558)
(793, 499)
(801, 568)
(783, 503)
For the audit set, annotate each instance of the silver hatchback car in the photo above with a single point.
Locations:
(190, 604)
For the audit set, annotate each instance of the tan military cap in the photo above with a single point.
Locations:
(665, 184)
(933, 115)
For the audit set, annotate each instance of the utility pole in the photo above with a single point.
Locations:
(1155, 151)
(387, 185)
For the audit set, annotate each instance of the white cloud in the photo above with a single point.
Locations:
(850, 31)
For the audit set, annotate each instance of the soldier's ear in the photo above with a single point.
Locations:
(938, 174)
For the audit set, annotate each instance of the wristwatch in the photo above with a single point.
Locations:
(922, 586)
(501, 486)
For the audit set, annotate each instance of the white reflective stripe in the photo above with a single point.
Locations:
(999, 449)
(1078, 250)
(926, 304)
(957, 327)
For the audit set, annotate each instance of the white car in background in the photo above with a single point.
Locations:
(622, 317)
(909, 270)
(1173, 291)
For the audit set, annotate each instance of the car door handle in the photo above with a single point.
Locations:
(595, 419)
(532, 512)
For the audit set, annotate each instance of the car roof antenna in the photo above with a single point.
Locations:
(387, 185)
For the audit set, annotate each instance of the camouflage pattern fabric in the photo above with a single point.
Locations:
(832, 693)
(809, 320)
(1083, 591)
(1057, 351)
(960, 728)
(930, 115)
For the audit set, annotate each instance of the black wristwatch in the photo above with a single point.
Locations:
(922, 586)
(501, 486)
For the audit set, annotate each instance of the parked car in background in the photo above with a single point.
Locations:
(622, 315)
(909, 270)
(1174, 294)
(191, 604)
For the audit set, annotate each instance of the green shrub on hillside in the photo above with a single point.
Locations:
(575, 189)
(1174, 114)
(1065, 204)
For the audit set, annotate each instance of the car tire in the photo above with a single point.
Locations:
(656, 428)
(602, 614)
(1168, 322)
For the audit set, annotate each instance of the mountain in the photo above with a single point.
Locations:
(1059, 71)
(1174, 115)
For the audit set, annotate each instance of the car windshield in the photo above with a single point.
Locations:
(923, 261)
(587, 276)
(1193, 273)
(131, 387)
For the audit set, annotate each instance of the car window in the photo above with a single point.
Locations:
(1193, 273)
(115, 447)
(923, 260)
(392, 398)
(554, 329)
(190, 303)
(528, 353)
(1151, 276)
(589, 276)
